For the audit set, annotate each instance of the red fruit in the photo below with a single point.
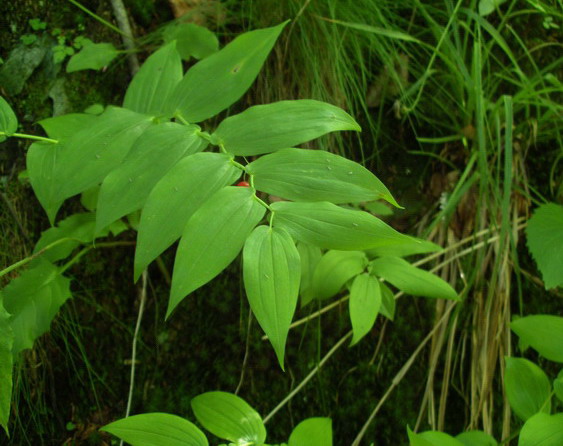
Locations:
(243, 184)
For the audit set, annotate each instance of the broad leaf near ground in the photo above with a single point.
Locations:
(93, 56)
(476, 438)
(365, 301)
(174, 200)
(229, 417)
(543, 332)
(218, 81)
(334, 269)
(267, 128)
(527, 388)
(157, 429)
(329, 226)
(6, 365)
(412, 280)
(191, 40)
(544, 235)
(154, 153)
(542, 430)
(8, 120)
(271, 272)
(312, 432)
(316, 175)
(212, 238)
(310, 256)
(153, 84)
(33, 299)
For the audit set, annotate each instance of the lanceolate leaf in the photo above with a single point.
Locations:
(310, 256)
(329, 226)
(6, 364)
(33, 300)
(157, 429)
(542, 430)
(93, 56)
(312, 432)
(212, 238)
(316, 175)
(8, 120)
(387, 302)
(545, 239)
(157, 150)
(271, 271)
(267, 128)
(335, 269)
(412, 280)
(527, 388)
(415, 246)
(153, 84)
(175, 198)
(365, 301)
(191, 40)
(229, 417)
(218, 81)
(543, 333)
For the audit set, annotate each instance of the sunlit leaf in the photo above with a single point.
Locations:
(191, 40)
(310, 256)
(387, 308)
(558, 386)
(316, 175)
(432, 438)
(270, 127)
(156, 429)
(33, 299)
(415, 246)
(476, 438)
(312, 432)
(175, 198)
(218, 81)
(212, 238)
(412, 280)
(487, 7)
(545, 238)
(335, 269)
(365, 301)
(6, 364)
(154, 153)
(8, 120)
(542, 430)
(93, 56)
(153, 84)
(327, 225)
(271, 271)
(229, 417)
(543, 333)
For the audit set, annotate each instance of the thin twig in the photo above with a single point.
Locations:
(246, 352)
(128, 41)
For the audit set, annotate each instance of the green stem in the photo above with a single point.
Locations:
(180, 118)
(26, 136)
(262, 202)
(84, 251)
(99, 19)
(241, 167)
(222, 148)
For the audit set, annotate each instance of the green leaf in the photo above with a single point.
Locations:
(385, 32)
(212, 238)
(153, 84)
(312, 432)
(310, 256)
(412, 280)
(156, 151)
(218, 81)
(335, 269)
(316, 175)
(543, 333)
(476, 438)
(79, 227)
(542, 430)
(527, 388)
(487, 7)
(432, 438)
(174, 200)
(8, 120)
(544, 235)
(33, 299)
(64, 126)
(365, 302)
(332, 227)
(271, 271)
(415, 246)
(156, 429)
(6, 365)
(558, 386)
(93, 56)
(191, 40)
(387, 302)
(229, 417)
(267, 128)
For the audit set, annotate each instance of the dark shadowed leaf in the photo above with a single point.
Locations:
(8, 120)
(6, 364)
(334, 269)
(191, 40)
(310, 256)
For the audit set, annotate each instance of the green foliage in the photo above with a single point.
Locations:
(476, 438)
(545, 239)
(8, 120)
(544, 333)
(6, 364)
(312, 432)
(333, 271)
(92, 56)
(191, 40)
(542, 430)
(365, 301)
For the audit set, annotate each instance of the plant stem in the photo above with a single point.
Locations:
(127, 34)
(98, 18)
(26, 136)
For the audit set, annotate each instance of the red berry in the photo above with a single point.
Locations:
(243, 184)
